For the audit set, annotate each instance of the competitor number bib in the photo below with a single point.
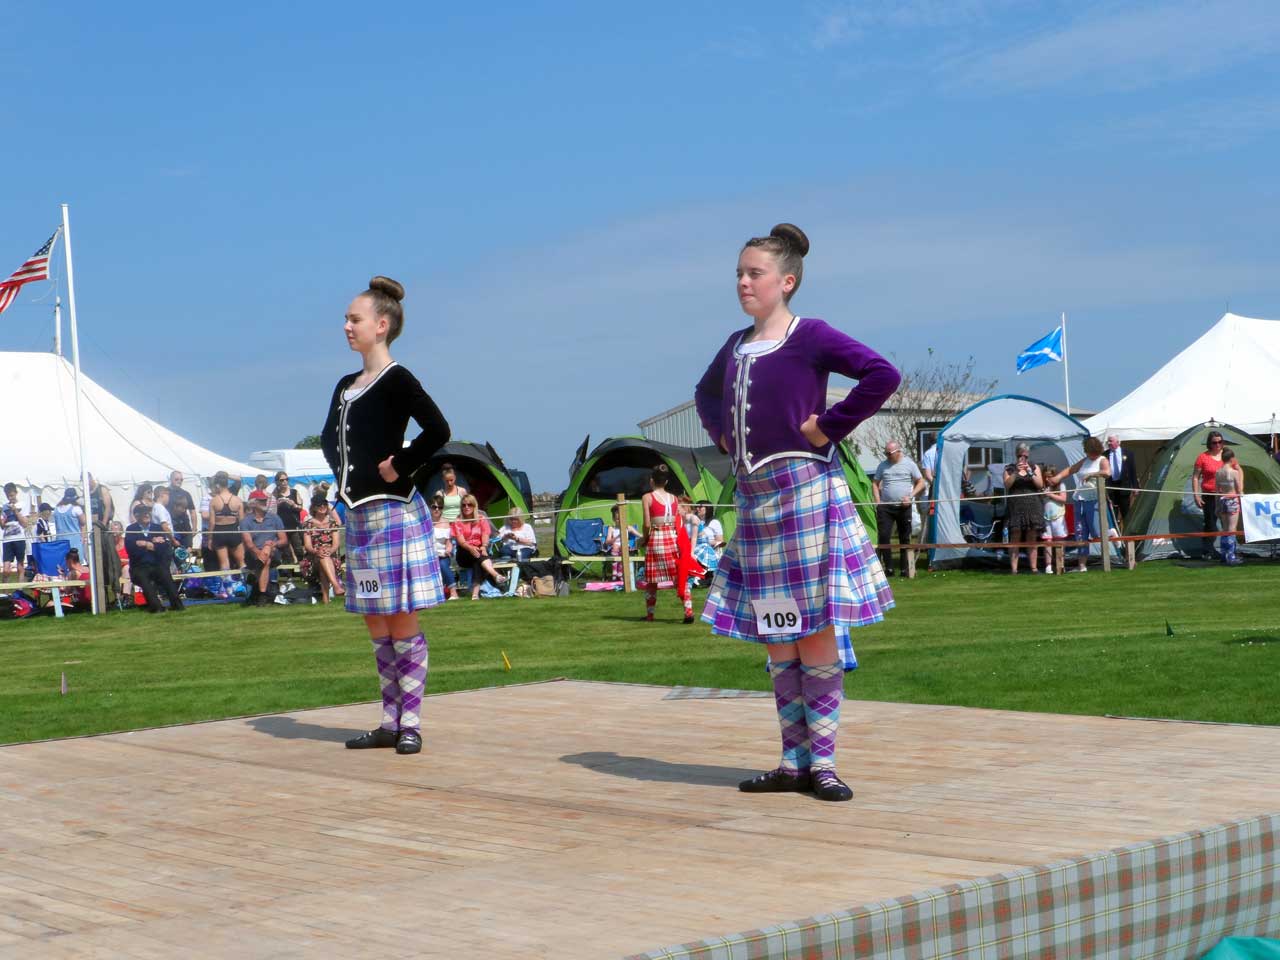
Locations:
(777, 618)
(368, 586)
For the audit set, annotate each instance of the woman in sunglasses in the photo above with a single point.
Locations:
(1204, 484)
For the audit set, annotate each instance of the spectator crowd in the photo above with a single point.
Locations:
(1030, 504)
(163, 537)
(164, 546)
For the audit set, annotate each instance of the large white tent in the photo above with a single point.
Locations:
(1229, 375)
(122, 447)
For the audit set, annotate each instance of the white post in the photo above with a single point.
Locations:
(57, 326)
(1066, 376)
(94, 572)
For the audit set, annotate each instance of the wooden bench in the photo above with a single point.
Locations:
(290, 568)
(508, 564)
(55, 587)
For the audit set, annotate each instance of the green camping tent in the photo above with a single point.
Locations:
(1173, 509)
(623, 465)
(859, 487)
(482, 472)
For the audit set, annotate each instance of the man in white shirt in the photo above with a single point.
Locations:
(929, 465)
(1123, 475)
(160, 515)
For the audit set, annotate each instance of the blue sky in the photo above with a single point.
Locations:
(563, 189)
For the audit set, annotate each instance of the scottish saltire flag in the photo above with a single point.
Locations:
(36, 267)
(1047, 349)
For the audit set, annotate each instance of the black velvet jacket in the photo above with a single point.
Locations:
(362, 432)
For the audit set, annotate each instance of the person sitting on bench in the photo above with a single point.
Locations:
(150, 555)
(264, 538)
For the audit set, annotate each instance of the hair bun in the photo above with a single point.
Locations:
(793, 236)
(393, 289)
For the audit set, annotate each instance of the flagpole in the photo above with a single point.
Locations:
(1066, 377)
(57, 326)
(84, 466)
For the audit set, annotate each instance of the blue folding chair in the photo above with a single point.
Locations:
(51, 561)
(584, 538)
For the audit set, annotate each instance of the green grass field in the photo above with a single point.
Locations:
(1089, 644)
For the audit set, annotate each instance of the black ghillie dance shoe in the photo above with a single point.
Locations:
(410, 742)
(374, 738)
(827, 786)
(778, 781)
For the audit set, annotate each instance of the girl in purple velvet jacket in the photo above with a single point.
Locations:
(801, 570)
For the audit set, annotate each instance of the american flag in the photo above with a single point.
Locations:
(36, 268)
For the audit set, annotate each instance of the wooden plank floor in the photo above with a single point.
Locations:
(565, 819)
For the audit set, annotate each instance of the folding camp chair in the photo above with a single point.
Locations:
(51, 561)
(585, 538)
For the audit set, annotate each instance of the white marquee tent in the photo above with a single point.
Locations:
(1229, 375)
(123, 448)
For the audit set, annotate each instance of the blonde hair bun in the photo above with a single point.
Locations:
(387, 286)
(792, 236)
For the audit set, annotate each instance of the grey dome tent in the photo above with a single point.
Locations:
(979, 441)
(1173, 508)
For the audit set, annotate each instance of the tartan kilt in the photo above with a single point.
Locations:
(799, 536)
(394, 540)
(661, 554)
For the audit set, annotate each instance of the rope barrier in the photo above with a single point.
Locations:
(537, 513)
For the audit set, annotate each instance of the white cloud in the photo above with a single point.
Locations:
(848, 22)
(1129, 48)
(1200, 125)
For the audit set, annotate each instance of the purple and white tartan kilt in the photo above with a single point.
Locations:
(799, 536)
(394, 540)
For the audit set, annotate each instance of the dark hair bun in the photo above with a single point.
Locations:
(792, 236)
(393, 289)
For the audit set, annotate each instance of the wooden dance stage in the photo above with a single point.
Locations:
(574, 820)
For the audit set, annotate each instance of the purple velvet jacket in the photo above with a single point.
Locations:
(757, 403)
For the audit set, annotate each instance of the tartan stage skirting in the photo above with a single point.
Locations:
(799, 536)
(394, 540)
(1167, 899)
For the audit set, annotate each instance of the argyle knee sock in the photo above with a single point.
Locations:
(789, 700)
(384, 655)
(688, 604)
(411, 665)
(823, 689)
(650, 599)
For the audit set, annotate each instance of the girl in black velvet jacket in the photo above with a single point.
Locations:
(392, 570)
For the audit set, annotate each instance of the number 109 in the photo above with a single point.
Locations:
(779, 620)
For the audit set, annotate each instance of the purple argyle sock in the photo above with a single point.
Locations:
(384, 655)
(790, 703)
(823, 688)
(411, 666)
